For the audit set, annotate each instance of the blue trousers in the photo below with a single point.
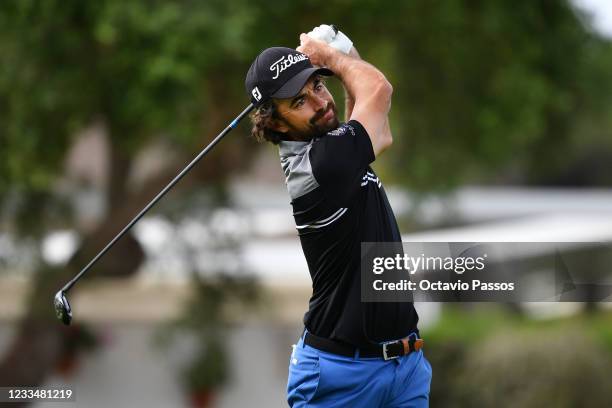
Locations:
(321, 379)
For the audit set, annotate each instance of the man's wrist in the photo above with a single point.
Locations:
(330, 55)
(335, 60)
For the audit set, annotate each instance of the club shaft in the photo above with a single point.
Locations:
(176, 179)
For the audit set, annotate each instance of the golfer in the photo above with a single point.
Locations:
(351, 353)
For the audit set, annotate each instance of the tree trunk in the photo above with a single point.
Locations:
(38, 343)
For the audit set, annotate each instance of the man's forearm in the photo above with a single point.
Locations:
(349, 100)
(368, 90)
(360, 79)
(350, 89)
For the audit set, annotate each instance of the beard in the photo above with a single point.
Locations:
(317, 125)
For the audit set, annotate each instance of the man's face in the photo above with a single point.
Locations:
(310, 113)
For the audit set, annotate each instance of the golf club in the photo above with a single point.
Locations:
(63, 310)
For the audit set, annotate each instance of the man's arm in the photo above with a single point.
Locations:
(349, 100)
(365, 85)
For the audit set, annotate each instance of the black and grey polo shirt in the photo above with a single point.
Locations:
(339, 202)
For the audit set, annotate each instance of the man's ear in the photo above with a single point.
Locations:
(279, 125)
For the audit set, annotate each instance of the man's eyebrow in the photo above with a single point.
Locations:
(315, 81)
(297, 98)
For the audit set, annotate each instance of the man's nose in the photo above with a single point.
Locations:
(318, 103)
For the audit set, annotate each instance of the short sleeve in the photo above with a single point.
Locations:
(340, 158)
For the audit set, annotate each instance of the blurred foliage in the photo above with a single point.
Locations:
(207, 309)
(552, 368)
(485, 356)
(79, 337)
(476, 321)
(487, 83)
(206, 317)
(480, 86)
(209, 369)
(485, 91)
(142, 67)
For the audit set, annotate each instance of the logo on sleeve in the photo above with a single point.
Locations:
(342, 130)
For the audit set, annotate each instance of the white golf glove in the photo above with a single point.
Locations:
(338, 40)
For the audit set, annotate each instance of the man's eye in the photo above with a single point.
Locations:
(299, 102)
(318, 86)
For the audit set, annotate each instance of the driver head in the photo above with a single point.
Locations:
(62, 308)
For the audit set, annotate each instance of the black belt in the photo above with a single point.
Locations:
(388, 350)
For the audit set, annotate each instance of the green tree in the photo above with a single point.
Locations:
(479, 86)
(482, 85)
(145, 70)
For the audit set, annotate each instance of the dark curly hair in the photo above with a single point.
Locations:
(262, 119)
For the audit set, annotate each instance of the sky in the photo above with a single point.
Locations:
(601, 13)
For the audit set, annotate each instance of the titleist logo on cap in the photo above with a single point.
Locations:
(279, 72)
(285, 62)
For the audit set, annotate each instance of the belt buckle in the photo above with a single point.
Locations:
(384, 348)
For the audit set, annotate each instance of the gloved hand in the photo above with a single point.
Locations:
(336, 39)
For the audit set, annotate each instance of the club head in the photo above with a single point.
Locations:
(62, 307)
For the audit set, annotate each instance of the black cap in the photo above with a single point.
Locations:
(279, 72)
